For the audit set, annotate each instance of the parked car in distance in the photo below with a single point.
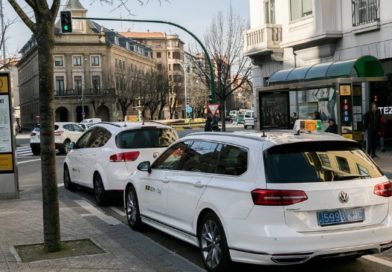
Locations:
(273, 198)
(107, 153)
(64, 134)
(87, 123)
(249, 119)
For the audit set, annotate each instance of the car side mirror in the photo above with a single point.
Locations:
(73, 145)
(144, 166)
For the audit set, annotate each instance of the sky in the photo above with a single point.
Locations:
(195, 15)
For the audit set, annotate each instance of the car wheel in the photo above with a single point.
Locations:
(36, 151)
(245, 127)
(99, 190)
(65, 148)
(68, 184)
(132, 210)
(213, 245)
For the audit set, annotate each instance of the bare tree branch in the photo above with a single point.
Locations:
(29, 23)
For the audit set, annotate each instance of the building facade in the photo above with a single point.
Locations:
(168, 52)
(88, 64)
(289, 34)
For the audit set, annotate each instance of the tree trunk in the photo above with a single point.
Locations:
(45, 41)
(222, 114)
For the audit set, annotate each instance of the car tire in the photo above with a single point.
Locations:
(245, 127)
(68, 184)
(213, 245)
(35, 150)
(99, 190)
(65, 148)
(132, 210)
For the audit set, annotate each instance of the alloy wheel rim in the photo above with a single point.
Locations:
(131, 207)
(211, 244)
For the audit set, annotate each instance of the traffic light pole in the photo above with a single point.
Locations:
(212, 75)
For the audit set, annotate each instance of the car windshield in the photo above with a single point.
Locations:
(318, 162)
(147, 137)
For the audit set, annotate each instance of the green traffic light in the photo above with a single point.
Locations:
(65, 28)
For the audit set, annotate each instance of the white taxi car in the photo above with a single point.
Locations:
(106, 154)
(64, 134)
(274, 198)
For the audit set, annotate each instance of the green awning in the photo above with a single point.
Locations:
(366, 66)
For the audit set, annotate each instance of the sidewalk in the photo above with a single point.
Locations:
(126, 250)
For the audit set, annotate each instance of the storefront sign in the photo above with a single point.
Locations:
(345, 90)
(386, 110)
(6, 163)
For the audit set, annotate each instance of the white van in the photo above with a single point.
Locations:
(249, 119)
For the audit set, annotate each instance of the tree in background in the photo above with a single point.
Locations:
(43, 26)
(224, 41)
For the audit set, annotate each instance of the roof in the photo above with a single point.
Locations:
(120, 126)
(73, 5)
(365, 66)
(274, 137)
(144, 35)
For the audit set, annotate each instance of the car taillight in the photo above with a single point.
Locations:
(277, 197)
(383, 189)
(33, 134)
(124, 157)
(58, 133)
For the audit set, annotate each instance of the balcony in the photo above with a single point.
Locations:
(264, 40)
(70, 93)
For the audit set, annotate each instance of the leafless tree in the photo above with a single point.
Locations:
(43, 26)
(224, 41)
(3, 38)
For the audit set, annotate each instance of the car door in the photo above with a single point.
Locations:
(187, 186)
(75, 157)
(153, 187)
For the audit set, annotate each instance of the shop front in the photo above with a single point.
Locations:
(341, 90)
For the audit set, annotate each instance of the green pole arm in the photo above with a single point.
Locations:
(212, 75)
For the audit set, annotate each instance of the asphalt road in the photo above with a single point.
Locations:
(30, 179)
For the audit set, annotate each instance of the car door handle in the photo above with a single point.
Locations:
(198, 184)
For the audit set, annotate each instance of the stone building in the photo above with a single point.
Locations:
(304, 46)
(87, 65)
(168, 52)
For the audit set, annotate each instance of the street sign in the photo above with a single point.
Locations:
(188, 109)
(213, 108)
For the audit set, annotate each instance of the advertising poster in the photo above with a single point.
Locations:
(5, 125)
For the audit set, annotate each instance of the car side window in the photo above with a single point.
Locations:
(99, 137)
(201, 156)
(84, 139)
(68, 127)
(233, 161)
(171, 159)
(77, 128)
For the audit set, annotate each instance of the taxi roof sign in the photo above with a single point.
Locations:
(307, 125)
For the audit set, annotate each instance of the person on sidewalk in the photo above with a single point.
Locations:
(372, 126)
(332, 128)
(208, 126)
(381, 133)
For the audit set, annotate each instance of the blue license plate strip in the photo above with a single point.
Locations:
(340, 216)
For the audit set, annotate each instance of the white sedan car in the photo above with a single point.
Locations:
(272, 199)
(105, 155)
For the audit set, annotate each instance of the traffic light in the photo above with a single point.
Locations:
(66, 21)
(210, 98)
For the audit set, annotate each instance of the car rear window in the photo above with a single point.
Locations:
(147, 137)
(318, 162)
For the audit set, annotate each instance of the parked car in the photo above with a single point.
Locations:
(87, 123)
(249, 119)
(64, 134)
(272, 198)
(106, 154)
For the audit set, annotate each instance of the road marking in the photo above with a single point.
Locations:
(23, 162)
(377, 260)
(118, 211)
(94, 211)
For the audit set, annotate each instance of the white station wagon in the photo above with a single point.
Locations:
(272, 199)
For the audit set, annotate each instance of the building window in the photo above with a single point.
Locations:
(159, 67)
(58, 61)
(365, 11)
(269, 10)
(60, 86)
(77, 60)
(176, 55)
(95, 61)
(169, 55)
(176, 67)
(300, 8)
(159, 55)
(96, 82)
(77, 82)
(343, 164)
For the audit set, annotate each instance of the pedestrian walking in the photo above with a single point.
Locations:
(208, 126)
(372, 126)
(332, 128)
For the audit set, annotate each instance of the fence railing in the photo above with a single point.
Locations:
(85, 92)
(365, 11)
(267, 37)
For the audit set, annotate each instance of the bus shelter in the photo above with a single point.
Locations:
(339, 90)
